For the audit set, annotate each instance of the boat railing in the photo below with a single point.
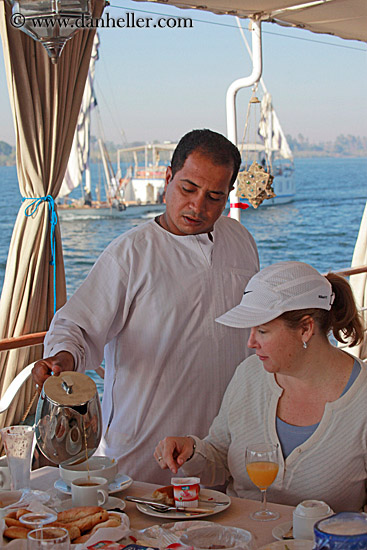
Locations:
(155, 172)
(29, 340)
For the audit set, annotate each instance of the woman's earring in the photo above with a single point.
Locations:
(305, 345)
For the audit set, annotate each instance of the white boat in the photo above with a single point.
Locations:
(144, 181)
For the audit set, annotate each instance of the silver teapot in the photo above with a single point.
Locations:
(68, 418)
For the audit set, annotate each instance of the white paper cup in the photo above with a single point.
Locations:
(91, 491)
(306, 515)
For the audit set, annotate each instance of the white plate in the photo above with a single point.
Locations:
(112, 502)
(121, 483)
(206, 494)
(293, 544)
(280, 530)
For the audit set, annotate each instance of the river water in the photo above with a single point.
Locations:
(319, 227)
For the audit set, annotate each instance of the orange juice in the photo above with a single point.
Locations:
(262, 474)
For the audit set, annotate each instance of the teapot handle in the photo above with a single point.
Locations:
(15, 386)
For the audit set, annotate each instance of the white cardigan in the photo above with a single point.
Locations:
(331, 465)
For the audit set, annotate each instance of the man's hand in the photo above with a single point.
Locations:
(172, 452)
(60, 362)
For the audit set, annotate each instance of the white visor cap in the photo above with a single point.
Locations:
(281, 287)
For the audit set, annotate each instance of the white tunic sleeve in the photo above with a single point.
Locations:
(95, 315)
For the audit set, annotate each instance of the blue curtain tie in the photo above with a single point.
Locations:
(29, 211)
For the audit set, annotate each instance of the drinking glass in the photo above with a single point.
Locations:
(49, 538)
(36, 520)
(18, 444)
(262, 465)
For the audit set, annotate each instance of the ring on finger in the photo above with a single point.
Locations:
(160, 458)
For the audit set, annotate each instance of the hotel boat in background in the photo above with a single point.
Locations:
(144, 180)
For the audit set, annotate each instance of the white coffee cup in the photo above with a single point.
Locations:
(5, 478)
(306, 515)
(92, 491)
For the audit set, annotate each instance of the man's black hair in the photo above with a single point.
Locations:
(217, 147)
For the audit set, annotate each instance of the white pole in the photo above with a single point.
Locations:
(231, 100)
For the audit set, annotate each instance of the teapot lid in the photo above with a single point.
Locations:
(70, 388)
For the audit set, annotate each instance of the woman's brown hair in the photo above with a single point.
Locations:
(343, 318)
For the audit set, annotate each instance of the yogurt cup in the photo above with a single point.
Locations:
(186, 491)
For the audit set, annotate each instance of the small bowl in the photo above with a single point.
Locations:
(99, 466)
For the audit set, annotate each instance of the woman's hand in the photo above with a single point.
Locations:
(172, 452)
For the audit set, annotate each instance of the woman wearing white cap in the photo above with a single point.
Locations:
(298, 391)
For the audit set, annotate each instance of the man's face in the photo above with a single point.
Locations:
(196, 196)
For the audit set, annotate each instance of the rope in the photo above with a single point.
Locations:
(26, 412)
(29, 211)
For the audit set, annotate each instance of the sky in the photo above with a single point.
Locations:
(157, 84)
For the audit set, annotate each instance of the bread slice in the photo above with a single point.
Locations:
(164, 495)
(288, 534)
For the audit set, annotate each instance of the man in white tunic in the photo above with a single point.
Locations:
(149, 305)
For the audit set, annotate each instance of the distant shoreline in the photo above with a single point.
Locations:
(342, 147)
(299, 155)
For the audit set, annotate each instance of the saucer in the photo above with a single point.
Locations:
(120, 483)
(112, 502)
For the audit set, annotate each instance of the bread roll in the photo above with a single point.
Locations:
(87, 523)
(68, 516)
(12, 522)
(109, 523)
(16, 532)
(73, 531)
(20, 512)
(82, 538)
(12, 514)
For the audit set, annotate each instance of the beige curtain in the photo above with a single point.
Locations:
(45, 101)
(359, 282)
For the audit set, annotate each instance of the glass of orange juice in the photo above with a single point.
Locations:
(262, 465)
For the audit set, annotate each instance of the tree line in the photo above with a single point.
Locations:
(342, 146)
